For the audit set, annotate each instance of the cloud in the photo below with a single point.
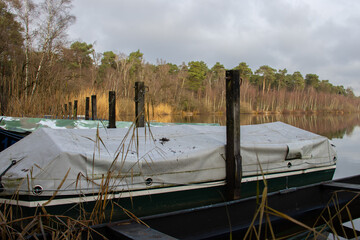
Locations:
(309, 36)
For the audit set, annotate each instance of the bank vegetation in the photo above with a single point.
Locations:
(40, 71)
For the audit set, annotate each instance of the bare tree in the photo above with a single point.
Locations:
(25, 10)
(56, 20)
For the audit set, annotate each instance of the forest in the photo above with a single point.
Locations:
(41, 70)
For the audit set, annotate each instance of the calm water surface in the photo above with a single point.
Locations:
(348, 149)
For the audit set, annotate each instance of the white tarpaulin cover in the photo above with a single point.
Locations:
(74, 159)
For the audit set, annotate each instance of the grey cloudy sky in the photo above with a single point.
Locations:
(310, 36)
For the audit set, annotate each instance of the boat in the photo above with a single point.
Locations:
(8, 138)
(324, 207)
(28, 124)
(145, 171)
(12, 129)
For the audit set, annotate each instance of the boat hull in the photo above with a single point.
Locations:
(140, 203)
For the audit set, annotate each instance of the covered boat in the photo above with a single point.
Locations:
(152, 170)
(8, 138)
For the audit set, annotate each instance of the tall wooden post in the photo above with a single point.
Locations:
(112, 102)
(93, 107)
(233, 157)
(87, 107)
(65, 110)
(140, 104)
(75, 108)
(70, 110)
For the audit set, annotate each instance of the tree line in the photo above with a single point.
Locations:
(40, 70)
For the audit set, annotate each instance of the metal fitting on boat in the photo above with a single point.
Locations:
(13, 162)
(148, 181)
(37, 190)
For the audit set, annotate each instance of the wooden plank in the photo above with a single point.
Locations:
(346, 232)
(136, 231)
(343, 186)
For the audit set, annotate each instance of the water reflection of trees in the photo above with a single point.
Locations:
(329, 125)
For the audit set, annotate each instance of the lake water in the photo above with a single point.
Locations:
(348, 149)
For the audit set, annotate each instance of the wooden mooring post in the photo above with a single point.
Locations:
(87, 107)
(140, 104)
(93, 107)
(233, 157)
(112, 108)
(70, 110)
(65, 110)
(75, 108)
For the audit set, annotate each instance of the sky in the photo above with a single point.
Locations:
(310, 36)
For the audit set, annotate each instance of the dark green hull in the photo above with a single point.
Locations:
(169, 201)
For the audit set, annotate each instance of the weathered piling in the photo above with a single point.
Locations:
(233, 157)
(65, 110)
(112, 115)
(87, 107)
(140, 104)
(70, 110)
(93, 107)
(75, 108)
